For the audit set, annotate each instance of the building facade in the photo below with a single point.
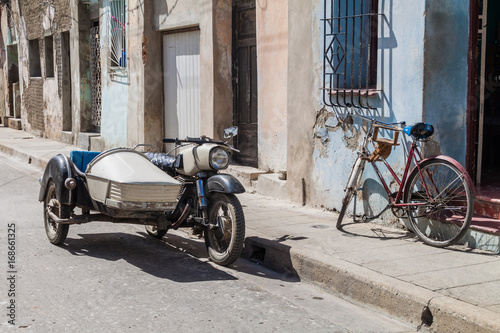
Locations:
(108, 73)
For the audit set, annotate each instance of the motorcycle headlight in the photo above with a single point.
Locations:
(219, 158)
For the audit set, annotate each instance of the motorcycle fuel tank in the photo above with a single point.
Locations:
(126, 179)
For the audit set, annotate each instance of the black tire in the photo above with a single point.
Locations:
(225, 243)
(351, 187)
(448, 205)
(153, 231)
(56, 232)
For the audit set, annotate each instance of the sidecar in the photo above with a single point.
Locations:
(119, 185)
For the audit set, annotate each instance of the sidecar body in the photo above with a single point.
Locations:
(119, 183)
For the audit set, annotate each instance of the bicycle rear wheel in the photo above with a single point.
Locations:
(443, 202)
(351, 188)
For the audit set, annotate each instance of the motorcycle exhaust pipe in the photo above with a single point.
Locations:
(182, 218)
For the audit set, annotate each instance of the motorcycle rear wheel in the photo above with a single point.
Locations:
(225, 242)
(56, 232)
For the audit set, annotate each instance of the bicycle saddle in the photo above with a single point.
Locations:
(419, 131)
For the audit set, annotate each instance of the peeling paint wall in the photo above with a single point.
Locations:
(330, 136)
(41, 104)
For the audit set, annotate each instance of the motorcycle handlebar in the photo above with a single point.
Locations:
(170, 140)
(200, 140)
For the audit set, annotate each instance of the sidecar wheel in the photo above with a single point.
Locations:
(56, 232)
(225, 243)
(153, 231)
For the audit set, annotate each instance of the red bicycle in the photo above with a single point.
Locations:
(437, 195)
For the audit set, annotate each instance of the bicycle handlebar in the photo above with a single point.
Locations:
(376, 121)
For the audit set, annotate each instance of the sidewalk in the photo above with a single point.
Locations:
(455, 289)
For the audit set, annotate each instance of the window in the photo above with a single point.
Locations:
(34, 55)
(350, 51)
(118, 33)
(49, 56)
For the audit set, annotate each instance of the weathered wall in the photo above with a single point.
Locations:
(114, 90)
(272, 66)
(145, 109)
(41, 104)
(319, 133)
(175, 14)
(207, 71)
(303, 102)
(222, 84)
(152, 56)
(4, 105)
(445, 76)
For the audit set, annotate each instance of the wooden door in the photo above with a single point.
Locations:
(245, 81)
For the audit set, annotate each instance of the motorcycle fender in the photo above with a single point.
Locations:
(224, 183)
(58, 169)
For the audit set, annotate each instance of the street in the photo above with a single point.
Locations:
(113, 278)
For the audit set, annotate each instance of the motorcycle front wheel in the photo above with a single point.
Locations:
(225, 241)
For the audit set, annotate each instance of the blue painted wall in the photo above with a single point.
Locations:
(422, 76)
(400, 79)
(445, 75)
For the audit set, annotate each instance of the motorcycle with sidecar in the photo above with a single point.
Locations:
(183, 188)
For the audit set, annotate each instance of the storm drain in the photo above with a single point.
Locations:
(257, 253)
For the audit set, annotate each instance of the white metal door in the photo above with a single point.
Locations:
(181, 63)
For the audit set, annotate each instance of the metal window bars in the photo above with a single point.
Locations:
(118, 33)
(350, 52)
(95, 76)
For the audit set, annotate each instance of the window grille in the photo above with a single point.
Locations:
(118, 33)
(95, 77)
(350, 52)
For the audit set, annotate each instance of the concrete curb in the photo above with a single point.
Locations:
(395, 298)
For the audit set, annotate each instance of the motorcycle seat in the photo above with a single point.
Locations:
(82, 158)
(161, 160)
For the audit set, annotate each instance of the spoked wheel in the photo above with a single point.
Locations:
(56, 232)
(225, 241)
(153, 231)
(351, 188)
(443, 203)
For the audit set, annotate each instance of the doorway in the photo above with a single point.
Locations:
(488, 81)
(14, 98)
(245, 110)
(181, 63)
(67, 118)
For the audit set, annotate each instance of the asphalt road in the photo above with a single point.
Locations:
(114, 278)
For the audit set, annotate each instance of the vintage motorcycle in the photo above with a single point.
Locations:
(181, 188)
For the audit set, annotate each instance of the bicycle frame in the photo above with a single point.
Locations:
(414, 156)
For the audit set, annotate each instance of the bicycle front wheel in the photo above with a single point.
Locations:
(440, 203)
(352, 184)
